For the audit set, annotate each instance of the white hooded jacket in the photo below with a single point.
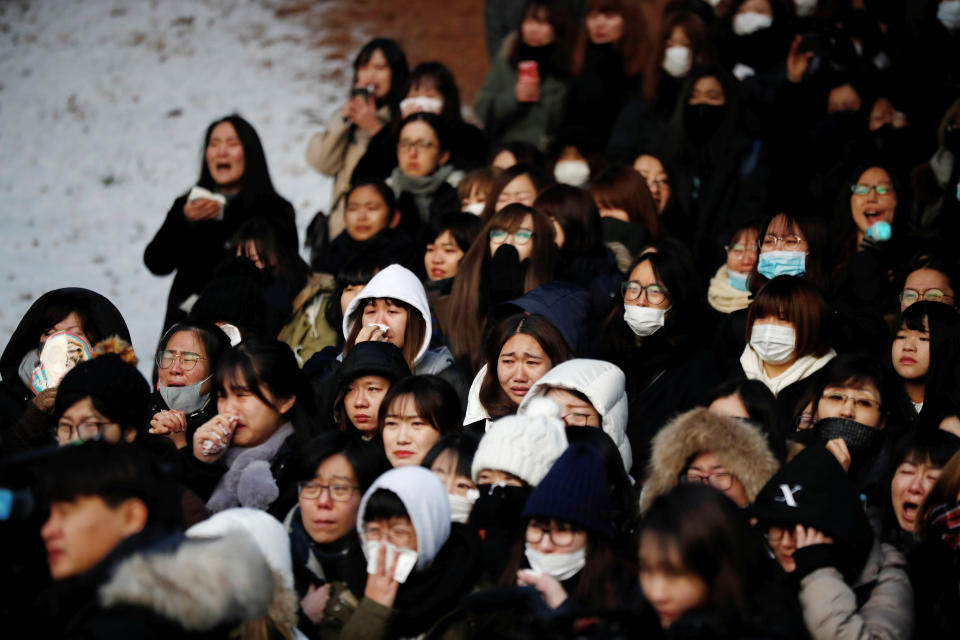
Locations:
(604, 384)
(401, 284)
(425, 498)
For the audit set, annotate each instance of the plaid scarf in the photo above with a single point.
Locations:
(945, 524)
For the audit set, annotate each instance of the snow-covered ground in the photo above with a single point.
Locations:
(103, 105)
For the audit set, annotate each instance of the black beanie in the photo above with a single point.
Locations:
(813, 490)
(575, 490)
(120, 391)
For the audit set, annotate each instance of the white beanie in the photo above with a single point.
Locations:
(265, 530)
(525, 446)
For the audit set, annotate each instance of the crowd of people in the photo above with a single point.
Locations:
(663, 343)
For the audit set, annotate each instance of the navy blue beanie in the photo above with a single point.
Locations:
(575, 490)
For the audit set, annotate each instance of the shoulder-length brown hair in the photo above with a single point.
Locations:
(492, 396)
(622, 187)
(798, 302)
(465, 313)
(557, 14)
(413, 335)
(635, 46)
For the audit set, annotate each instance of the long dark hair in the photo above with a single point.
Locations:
(673, 268)
(399, 70)
(576, 213)
(266, 363)
(438, 75)
(540, 179)
(710, 537)
(557, 14)
(256, 180)
(622, 187)
(944, 329)
(467, 308)
(492, 396)
(635, 44)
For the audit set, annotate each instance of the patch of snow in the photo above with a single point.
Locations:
(103, 105)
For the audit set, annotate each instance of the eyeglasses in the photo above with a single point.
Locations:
(864, 189)
(91, 430)
(631, 291)
(418, 145)
(721, 481)
(401, 536)
(520, 236)
(561, 534)
(188, 359)
(790, 242)
(775, 532)
(835, 398)
(577, 419)
(740, 249)
(910, 296)
(804, 421)
(313, 490)
(660, 181)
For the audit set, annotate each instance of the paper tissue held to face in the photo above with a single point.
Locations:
(198, 193)
(406, 559)
(61, 352)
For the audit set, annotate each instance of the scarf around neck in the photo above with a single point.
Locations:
(249, 481)
(421, 188)
(800, 369)
(723, 297)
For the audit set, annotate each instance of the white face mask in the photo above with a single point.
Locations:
(572, 172)
(187, 399)
(750, 22)
(773, 343)
(805, 7)
(461, 506)
(677, 61)
(644, 321)
(406, 559)
(476, 208)
(948, 13)
(559, 565)
(421, 103)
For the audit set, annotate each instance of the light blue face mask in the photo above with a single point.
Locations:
(782, 263)
(737, 280)
(187, 399)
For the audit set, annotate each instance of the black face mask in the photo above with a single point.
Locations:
(703, 120)
(499, 507)
(857, 436)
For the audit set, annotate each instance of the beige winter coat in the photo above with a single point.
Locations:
(336, 152)
(830, 605)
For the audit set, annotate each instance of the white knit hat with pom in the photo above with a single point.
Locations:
(525, 446)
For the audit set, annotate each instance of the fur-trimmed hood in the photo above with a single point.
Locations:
(604, 385)
(741, 448)
(202, 584)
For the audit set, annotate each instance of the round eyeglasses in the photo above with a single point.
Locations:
(631, 291)
(520, 236)
(188, 359)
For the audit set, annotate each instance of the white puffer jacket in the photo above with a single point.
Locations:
(603, 384)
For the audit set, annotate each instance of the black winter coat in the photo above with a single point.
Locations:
(195, 249)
